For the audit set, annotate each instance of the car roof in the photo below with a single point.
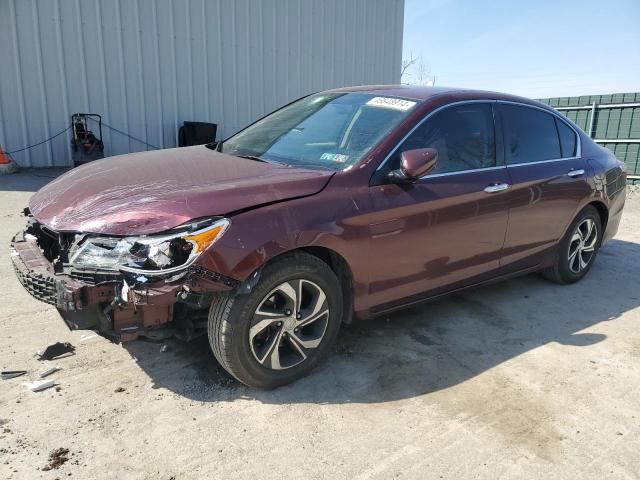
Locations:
(420, 93)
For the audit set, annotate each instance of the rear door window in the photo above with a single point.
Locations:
(530, 135)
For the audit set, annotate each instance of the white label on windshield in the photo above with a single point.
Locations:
(390, 102)
(334, 157)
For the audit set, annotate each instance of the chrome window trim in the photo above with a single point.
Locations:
(472, 170)
(510, 102)
(543, 161)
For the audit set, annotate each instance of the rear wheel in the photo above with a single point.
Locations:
(578, 249)
(280, 330)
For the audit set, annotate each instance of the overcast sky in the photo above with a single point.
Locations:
(537, 49)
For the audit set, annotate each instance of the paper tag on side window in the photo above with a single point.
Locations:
(393, 103)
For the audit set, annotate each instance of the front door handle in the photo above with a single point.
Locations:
(576, 173)
(496, 187)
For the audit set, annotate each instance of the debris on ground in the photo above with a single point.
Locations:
(49, 371)
(119, 390)
(88, 337)
(39, 385)
(164, 348)
(55, 350)
(57, 458)
(6, 375)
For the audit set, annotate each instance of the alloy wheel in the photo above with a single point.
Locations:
(582, 246)
(289, 324)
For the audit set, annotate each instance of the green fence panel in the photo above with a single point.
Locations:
(615, 123)
(634, 129)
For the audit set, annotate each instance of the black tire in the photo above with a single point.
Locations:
(563, 272)
(231, 318)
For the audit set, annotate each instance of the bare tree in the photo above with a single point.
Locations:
(415, 71)
(407, 63)
(423, 72)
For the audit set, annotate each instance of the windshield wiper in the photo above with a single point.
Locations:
(253, 157)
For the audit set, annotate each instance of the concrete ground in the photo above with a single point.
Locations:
(524, 379)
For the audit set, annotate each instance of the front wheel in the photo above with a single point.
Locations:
(280, 330)
(578, 249)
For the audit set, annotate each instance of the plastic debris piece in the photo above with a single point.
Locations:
(164, 348)
(160, 258)
(12, 374)
(28, 236)
(88, 337)
(49, 371)
(124, 293)
(142, 279)
(39, 385)
(55, 350)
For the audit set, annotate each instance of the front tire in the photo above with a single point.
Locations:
(279, 331)
(578, 249)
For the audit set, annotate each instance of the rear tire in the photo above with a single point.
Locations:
(578, 248)
(279, 331)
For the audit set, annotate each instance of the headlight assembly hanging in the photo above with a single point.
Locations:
(150, 255)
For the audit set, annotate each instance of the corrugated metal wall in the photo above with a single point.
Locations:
(146, 66)
(615, 127)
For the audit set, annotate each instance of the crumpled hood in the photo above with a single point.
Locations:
(150, 192)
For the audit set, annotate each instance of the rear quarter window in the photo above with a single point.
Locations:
(567, 139)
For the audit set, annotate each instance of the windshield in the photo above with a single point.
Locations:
(326, 130)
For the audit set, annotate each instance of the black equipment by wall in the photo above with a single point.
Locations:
(85, 146)
(196, 133)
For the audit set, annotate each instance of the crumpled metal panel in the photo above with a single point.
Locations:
(154, 191)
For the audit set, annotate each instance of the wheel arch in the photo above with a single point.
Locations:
(603, 211)
(341, 268)
(336, 262)
(601, 208)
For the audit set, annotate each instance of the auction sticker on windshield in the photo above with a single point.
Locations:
(390, 102)
(335, 157)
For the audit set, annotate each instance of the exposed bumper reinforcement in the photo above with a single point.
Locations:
(146, 308)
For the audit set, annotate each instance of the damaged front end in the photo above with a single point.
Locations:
(123, 286)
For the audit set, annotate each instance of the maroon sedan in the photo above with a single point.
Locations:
(343, 205)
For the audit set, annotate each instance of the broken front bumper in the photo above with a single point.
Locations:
(35, 273)
(101, 304)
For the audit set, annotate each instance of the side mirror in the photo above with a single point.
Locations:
(415, 164)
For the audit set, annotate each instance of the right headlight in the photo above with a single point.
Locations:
(150, 255)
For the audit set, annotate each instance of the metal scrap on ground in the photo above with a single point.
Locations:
(55, 350)
(39, 385)
(49, 371)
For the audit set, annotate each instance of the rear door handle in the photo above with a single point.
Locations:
(576, 173)
(496, 187)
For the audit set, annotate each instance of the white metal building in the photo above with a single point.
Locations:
(148, 65)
